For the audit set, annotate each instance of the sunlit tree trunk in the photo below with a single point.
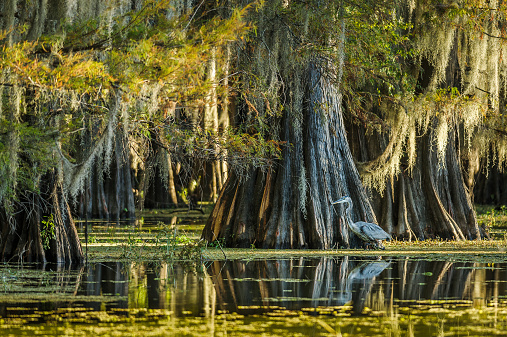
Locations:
(211, 125)
(171, 182)
(289, 206)
(225, 113)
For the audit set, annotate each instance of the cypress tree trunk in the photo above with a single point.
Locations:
(450, 205)
(109, 189)
(289, 206)
(161, 191)
(42, 229)
(430, 201)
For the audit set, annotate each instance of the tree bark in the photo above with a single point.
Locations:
(289, 206)
(110, 190)
(161, 192)
(25, 237)
(430, 201)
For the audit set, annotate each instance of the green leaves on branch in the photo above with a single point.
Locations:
(238, 149)
(47, 231)
(126, 68)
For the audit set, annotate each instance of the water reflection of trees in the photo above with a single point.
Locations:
(439, 280)
(328, 282)
(39, 287)
(256, 286)
(295, 283)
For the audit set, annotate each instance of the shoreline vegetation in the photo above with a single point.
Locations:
(181, 242)
(474, 250)
(149, 246)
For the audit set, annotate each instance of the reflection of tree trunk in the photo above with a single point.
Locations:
(79, 278)
(251, 287)
(153, 289)
(324, 281)
(479, 287)
(292, 284)
(439, 280)
(335, 282)
(210, 302)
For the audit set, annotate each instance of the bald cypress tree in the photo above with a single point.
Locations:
(82, 84)
(419, 87)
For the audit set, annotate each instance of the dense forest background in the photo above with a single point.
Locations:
(269, 109)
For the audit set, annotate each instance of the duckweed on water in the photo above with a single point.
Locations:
(132, 287)
(413, 322)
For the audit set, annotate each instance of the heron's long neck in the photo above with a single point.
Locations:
(348, 215)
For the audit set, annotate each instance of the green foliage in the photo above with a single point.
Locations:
(93, 79)
(133, 247)
(237, 148)
(493, 219)
(177, 245)
(93, 239)
(218, 243)
(47, 231)
(368, 37)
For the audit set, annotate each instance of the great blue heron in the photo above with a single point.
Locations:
(368, 232)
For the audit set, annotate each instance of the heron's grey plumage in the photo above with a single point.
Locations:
(366, 231)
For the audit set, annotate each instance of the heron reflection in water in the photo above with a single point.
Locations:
(364, 273)
(367, 270)
(369, 232)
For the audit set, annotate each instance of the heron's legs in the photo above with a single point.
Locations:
(373, 245)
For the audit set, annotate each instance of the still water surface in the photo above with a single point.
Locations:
(343, 295)
(300, 296)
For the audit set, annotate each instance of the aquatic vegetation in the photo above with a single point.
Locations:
(193, 305)
(132, 286)
(471, 322)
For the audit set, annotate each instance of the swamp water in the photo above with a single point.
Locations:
(342, 295)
